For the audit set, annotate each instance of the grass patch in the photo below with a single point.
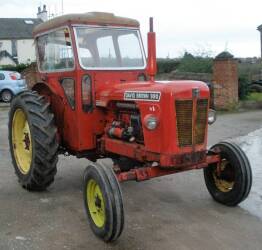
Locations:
(255, 97)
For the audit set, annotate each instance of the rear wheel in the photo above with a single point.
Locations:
(103, 202)
(6, 95)
(229, 183)
(32, 140)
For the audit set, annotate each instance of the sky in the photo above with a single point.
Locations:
(196, 26)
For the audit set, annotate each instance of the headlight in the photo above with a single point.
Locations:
(211, 116)
(150, 122)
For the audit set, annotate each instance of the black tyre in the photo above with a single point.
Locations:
(6, 95)
(33, 141)
(232, 183)
(103, 202)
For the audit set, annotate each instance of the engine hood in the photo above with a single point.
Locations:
(153, 91)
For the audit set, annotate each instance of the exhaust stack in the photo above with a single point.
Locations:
(151, 45)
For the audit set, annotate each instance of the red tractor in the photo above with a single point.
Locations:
(97, 98)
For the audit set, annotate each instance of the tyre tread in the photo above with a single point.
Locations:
(43, 132)
(113, 193)
(245, 170)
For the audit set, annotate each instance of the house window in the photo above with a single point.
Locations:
(29, 21)
(14, 48)
(55, 51)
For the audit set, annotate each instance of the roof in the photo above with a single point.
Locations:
(5, 53)
(17, 28)
(224, 55)
(259, 27)
(96, 18)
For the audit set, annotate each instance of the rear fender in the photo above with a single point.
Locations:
(44, 89)
(56, 101)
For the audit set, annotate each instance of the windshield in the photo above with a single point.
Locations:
(104, 48)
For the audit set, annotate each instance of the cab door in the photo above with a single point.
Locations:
(57, 68)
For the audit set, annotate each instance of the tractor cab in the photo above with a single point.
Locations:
(81, 56)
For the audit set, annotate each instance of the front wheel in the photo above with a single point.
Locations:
(103, 202)
(6, 96)
(230, 182)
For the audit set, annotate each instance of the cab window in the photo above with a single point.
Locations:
(109, 48)
(68, 84)
(55, 51)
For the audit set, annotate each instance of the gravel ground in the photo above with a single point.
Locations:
(172, 212)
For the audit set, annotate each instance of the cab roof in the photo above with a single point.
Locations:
(92, 18)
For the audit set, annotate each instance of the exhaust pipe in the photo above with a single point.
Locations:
(151, 45)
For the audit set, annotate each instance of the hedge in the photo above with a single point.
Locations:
(166, 65)
(19, 67)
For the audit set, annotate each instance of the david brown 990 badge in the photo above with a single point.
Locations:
(153, 96)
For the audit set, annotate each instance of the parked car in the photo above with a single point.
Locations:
(256, 86)
(11, 84)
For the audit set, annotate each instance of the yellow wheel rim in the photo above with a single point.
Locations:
(96, 204)
(22, 142)
(223, 185)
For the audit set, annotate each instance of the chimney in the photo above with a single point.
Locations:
(42, 14)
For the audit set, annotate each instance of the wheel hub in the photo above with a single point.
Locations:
(21, 140)
(96, 203)
(224, 176)
(6, 96)
(26, 141)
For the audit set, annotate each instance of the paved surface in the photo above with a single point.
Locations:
(252, 145)
(173, 212)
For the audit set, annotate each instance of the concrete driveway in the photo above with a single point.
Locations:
(173, 212)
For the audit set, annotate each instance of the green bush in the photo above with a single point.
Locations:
(166, 65)
(257, 97)
(195, 64)
(243, 86)
(249, 69)
(188, 63)
(19, 67)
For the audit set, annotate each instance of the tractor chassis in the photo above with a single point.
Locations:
(149, 172)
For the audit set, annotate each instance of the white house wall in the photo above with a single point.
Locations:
(6, 45)
(6, 61)
(26, 51)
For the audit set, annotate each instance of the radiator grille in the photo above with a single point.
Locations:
(201, 121)
(184, 114)
(184, 110)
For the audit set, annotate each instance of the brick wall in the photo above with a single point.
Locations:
(225, 79)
